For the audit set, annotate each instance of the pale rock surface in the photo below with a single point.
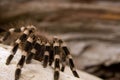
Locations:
(35, 70)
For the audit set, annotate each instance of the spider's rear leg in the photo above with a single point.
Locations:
(21, 39)
(28, 46)
(11, 31)
(71, 63)
(56, 47)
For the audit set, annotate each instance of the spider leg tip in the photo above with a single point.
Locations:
(44, 65)
(7, 63)
(17, 74)
(56, 75)
(9, 59)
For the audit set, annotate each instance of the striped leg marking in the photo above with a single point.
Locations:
(72, 67)
(26, 49)
(19, 67)
(11, 31)
(10, 57)
(57, 60)
(22, 38)
(46, 54)
(51, 58)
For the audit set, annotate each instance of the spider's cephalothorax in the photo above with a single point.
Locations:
(33, 47)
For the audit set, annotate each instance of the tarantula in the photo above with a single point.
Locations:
(34, 47)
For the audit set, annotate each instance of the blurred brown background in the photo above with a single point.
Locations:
(91, 29)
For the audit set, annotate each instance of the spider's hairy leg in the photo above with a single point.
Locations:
(71, 63)
(11, 31)
(51, 57)
(28, 46)
(10, 57)
(56, 47)
(40, 52)
(19, 66)
(21, 39)
(34, 50)
(46, 54)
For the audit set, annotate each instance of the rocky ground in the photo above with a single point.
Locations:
(35, 70)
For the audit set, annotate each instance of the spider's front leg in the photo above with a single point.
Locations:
(71, 63)
(20, 40)
(11, 31)
(28, 46)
